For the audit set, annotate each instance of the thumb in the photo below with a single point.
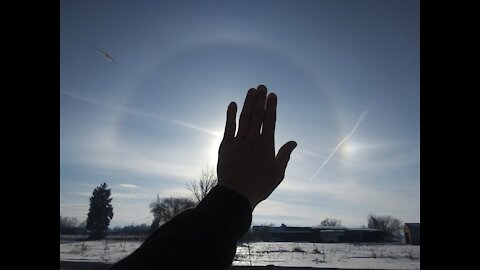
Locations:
(283, 155)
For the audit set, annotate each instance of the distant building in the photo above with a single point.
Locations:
(411, 232)
(329, 234)
(320, 234)
(364, 235)
(291, 234)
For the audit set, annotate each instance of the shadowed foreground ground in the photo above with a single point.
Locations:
(70, 265)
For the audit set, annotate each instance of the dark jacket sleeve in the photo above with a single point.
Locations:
(204, 237)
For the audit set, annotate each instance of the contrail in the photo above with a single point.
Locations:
(144, 114)
(360, 119)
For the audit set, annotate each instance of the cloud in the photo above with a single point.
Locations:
(301, 151)
(137, 112)
(127, 212)
(76, 210)
(263, 219)
(96, 155)
(116, 195)
(128, 185)
(399, 161)
(349, 199)
(86, 194)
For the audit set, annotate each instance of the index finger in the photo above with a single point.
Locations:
(230, 124)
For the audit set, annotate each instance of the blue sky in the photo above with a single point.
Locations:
(346, 74)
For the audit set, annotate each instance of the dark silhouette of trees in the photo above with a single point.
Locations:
(100, 213)
(141, 229)
(201, 187)
(71, 225)
(67, 222)
(331, 222)
(163, 209)
(390, 225)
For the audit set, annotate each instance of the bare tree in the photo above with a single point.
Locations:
(390, 225)
(71, 225)
(69, 222)
(201, 187)
(331, 222)
(166, 208)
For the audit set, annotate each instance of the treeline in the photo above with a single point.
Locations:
(72, 226)
(141, 229)
(163, 209)
(101, 213)
(391, 227)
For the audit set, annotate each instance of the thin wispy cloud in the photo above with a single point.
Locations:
(128, 212)
(128, 185)
(86, 194)
(144, 114)
(270, 207)
(394, 162)
(136, 165)
(316, 200)
(116, 195)
(124, 158)
(78, 210)
(78, 206)
(357, 124)
(126, 195)
(302, 151)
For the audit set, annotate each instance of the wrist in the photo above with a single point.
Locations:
(253, 203)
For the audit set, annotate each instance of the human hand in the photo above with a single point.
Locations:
(246, 162)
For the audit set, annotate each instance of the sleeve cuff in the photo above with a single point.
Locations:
(229, 206)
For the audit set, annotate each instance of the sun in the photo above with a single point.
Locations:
(213, 149)
(347, 149)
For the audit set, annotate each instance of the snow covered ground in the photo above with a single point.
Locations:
(361, 256)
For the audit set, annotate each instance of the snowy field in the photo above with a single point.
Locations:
(360, 256)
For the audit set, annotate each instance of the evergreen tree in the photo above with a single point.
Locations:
(100, 212)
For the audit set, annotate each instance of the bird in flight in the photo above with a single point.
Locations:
(107, 56)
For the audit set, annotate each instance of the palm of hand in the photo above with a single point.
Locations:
(247, 162)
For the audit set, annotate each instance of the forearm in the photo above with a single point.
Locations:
(201, 238)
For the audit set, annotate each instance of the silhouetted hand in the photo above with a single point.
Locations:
(246, 162)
